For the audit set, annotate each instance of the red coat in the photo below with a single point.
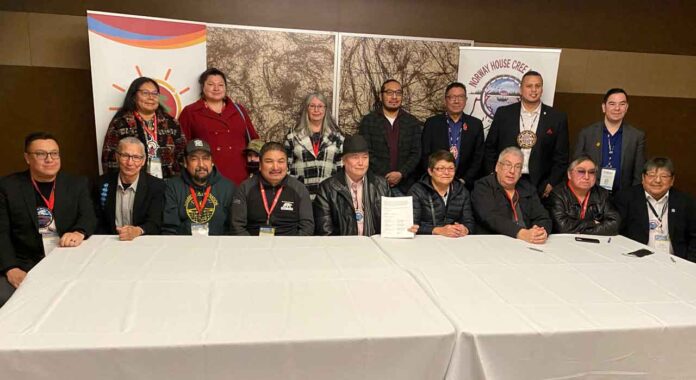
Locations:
(226, 134)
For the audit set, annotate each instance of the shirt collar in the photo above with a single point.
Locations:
(532, 112)
(133, 185)
(662, 200)
(350, 182)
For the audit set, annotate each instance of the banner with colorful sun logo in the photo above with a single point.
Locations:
(123, 48)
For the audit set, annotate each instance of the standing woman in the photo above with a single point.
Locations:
(315, 145)
(224, 124)
(142, 116)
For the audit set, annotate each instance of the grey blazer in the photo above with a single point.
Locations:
(590, 142)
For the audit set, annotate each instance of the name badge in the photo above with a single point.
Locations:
(606, 179)
(199, 229)
(266, 231)
(662, 243)
(155, 167)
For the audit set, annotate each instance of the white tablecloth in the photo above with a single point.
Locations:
(222, 308)
(574, 311)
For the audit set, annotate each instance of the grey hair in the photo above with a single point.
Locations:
(579, 160)
(659, 163)
(131, 140)
(511, 149)
(328, 125)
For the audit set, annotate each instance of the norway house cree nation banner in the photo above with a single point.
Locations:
(492, 77)
(123, 48)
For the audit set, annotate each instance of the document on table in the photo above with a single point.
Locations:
(397, 217)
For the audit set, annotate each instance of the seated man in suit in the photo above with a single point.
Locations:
(658, 215)
(541, 132)
(350, 201)
(40, 209)
(129, 202)
(580, 207)
(615, 145)
(198, 202)
(441, 203)
(456, 132)
(505, 205)
(272, 203)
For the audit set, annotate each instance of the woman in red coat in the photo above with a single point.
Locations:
(225, 125)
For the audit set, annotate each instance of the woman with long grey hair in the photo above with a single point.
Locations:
(315, 145)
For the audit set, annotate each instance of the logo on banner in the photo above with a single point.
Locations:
(495, 84)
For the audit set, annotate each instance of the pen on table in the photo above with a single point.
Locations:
(609, 240)
(536, 249)
(673, 260)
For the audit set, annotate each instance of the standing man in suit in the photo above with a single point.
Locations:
(541, 132)
(40, 209)
(129, 203)
(394, 139)
(456, 132)
(655, 214)
(616, 145)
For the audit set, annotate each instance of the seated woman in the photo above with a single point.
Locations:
(315, 145)
(142, 116)
(441, 205)
(580, 207)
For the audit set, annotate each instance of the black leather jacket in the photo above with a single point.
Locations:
(334, 213)
(601, 218)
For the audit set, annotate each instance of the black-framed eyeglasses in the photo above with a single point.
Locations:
(398, 93)
(43, 155)
(127, 157)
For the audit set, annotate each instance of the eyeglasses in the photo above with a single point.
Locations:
(126, 157)
(390, 93)
(444, 169)
(455, 97)
(317, 107)
(42, 155)
(652, 176)
(149, 94)
(583, 172)
(508, 165)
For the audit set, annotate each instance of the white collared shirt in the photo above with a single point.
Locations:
(124, 203)
(660, 228)
(528, 121)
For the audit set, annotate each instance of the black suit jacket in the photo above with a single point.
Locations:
(548, 161)
(373, 129)
(20, 242)
(436, 137)
(681, 221)
(147, 205)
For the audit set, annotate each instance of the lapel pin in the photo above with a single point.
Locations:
(598, 144)
(673, 210)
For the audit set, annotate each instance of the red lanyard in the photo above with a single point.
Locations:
(315, 146)
(513, 203)
(153, 132)
(51, 198)
(269, 211)
(583, 203)
(194, 197)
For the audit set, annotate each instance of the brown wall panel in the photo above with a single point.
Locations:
(624, 25)
(54, 100)
(667, 122)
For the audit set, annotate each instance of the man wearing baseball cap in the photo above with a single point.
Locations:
(348, 203)
(198, 202)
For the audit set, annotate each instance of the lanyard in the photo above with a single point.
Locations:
(51, 198)
(153, 132)
(524, 127)
(662, 214)
(583, 203)
(194, 198)
(357, 205)
(315, 147)
(269, 211)
(451, 124)
(513, 203)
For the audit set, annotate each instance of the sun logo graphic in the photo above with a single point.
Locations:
(169, 98)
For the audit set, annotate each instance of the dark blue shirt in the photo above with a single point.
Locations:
(611, 154)
(455, 135)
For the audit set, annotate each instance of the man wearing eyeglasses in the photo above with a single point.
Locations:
(456, 132)
(394, 139)
(580, 207)
(505, 205)
(616, 146)
(40, 209)
(655, 214)
(129, 203)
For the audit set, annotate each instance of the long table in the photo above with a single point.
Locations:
(562, 310)
(222, 308)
